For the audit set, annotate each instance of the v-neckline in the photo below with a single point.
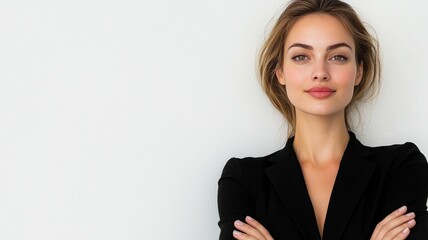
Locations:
(352, 177)
(306, 180)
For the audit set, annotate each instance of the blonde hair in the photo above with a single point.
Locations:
(272, 52)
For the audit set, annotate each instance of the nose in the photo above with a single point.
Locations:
(320, 72)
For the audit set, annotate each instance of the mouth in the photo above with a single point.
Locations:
(320, 92)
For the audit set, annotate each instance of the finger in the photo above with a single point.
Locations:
(401, 231)
(403, 234)
(394, 215)
(387, 219)
(388, 229)
(242, 236)
(255, 224)
(395, 223)
(248, 230)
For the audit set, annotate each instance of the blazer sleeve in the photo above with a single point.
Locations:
(233, 198)
(408, 185)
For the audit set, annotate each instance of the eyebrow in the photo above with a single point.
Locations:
(331, 47)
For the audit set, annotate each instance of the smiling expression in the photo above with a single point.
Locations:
(319, 68)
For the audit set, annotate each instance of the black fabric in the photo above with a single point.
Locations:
(371, 183)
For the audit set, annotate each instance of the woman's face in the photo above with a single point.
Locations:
(319, 68)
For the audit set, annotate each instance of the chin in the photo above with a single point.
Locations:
(323, 111)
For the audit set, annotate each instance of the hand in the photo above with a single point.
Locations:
(395, 226)
(251, 230)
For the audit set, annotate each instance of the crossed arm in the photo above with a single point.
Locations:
(395, 226)
(406, 184)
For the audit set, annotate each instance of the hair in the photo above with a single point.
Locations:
(272, 53)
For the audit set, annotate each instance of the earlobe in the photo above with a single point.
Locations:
(280, 76)
(359, 74)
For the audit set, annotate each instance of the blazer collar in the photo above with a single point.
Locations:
(354, 174)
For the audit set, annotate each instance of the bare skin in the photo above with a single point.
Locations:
(395, 226)
(319, 151)
(320, 181)
(320, 52)
(321, 135)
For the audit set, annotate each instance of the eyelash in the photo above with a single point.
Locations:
(343, 58)
(297, 58)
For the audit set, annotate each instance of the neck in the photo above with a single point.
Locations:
(320, 141)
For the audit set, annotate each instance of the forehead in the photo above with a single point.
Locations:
(319, 30)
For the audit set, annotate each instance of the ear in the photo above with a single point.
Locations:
(280, 75)
(359, 74)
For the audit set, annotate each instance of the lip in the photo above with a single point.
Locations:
(320, 92)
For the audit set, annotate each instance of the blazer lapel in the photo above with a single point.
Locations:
(287, 178)
(354, 174)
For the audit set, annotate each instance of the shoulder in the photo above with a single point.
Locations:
(398, 156)
(402, 178)
(404, 168)
(247, 165)
(407, 147)
(248, 171)
(240, 181)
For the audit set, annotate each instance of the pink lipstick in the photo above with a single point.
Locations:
(320, 92)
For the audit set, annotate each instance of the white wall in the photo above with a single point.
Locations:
(117, 117)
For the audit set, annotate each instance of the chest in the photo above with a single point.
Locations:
(297, 198)
(319, 183)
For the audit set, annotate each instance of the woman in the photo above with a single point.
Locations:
(317, 63)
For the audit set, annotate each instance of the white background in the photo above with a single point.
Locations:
(117, 117)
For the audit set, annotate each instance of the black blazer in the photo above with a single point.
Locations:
(371, 183)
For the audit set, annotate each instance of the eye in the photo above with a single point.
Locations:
(339, 58)
(300, 58)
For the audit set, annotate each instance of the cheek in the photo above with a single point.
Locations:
(346, 77)
(294, 76)
(295, 79)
